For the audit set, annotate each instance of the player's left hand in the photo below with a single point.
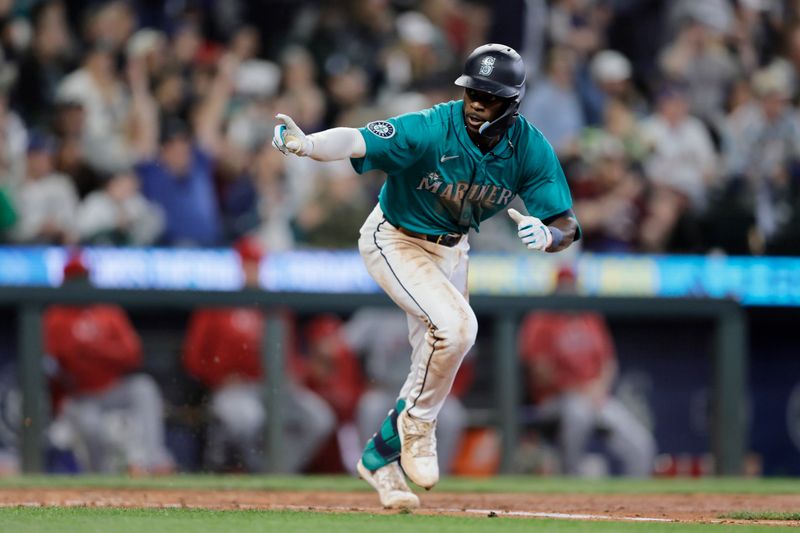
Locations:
(532, 231)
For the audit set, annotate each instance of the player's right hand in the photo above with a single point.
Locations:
(288, 137)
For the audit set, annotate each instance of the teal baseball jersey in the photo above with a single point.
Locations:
(440, 182)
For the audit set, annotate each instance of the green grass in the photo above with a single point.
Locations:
(87, 520)
(762, 515)
(522, 484)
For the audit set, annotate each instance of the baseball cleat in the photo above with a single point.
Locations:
(391, 485)
(418, 450)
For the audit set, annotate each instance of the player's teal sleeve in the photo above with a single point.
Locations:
(393, 144)
(544, 191)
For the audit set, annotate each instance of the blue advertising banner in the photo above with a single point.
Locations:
(754, 281)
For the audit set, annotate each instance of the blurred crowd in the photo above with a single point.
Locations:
(134, 122)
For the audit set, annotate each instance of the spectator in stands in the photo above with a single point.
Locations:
(300, 90)
(245, 42)
(699, 58)
(185, 43)
(246, 164)
(118, 214)
(792, 47)
(609, 198)
(570, 365)
(96, 85)
(223, 350)
(70, 157)
(682, 155)
(108, 412)
(171, 91)
(112, 23)
(681, 167)
(761, 150)
(610, 78)
(150, 46)
(46, 201)
(619, 121)
(756, 33)
(579, 26)
(553, 104)
(380, 336)
(421, 52)
(174, 166)
(273, 208)
(42, 67)
(348, 88)
(349, 43)
(255, 86)
(333, 216)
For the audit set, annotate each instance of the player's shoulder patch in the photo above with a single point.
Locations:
(382, 129)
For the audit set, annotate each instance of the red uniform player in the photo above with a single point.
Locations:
(112, 416)
(570, 364)
(223, 352)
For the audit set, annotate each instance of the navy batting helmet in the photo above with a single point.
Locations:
(496, 69)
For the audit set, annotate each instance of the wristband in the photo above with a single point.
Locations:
(557, 235)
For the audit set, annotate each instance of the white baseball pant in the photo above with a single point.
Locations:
(125, 421)
(239, 418)
(626, 439)
(429, 282)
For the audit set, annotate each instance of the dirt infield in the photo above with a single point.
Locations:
(705, 508)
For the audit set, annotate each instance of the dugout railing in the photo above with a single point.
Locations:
(729, 354)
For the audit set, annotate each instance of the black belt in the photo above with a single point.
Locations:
(446, 239)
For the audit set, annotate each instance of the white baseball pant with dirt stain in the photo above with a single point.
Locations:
(429, 282)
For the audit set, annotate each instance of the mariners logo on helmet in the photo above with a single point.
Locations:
(487, 65)
(381, 128)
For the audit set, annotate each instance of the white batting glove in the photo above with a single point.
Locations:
(289, 138)
(532, 231)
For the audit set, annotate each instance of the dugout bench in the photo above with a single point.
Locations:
(729, 365)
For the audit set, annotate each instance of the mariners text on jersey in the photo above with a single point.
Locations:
(440, 182)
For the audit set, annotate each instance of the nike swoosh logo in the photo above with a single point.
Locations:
(448, 157)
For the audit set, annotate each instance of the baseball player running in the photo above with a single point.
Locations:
(449, 167)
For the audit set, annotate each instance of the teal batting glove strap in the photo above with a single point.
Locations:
(384, 446)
